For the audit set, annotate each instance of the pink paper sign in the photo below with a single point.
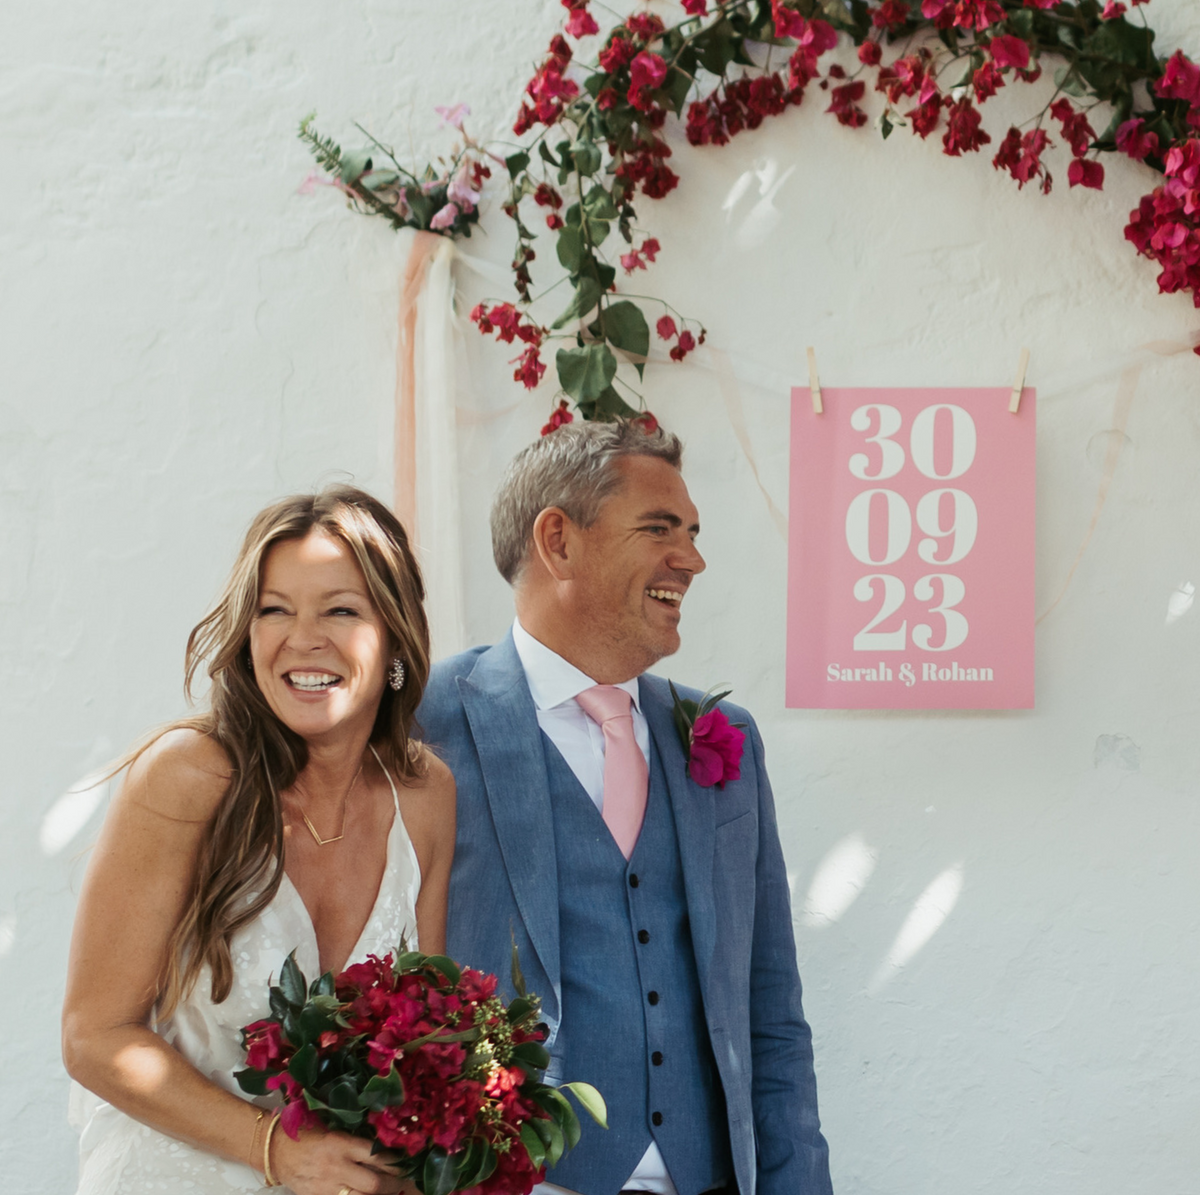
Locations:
(911, 550)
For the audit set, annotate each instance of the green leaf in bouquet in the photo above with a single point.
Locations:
(478, 1162)
(516, 163)
(447, 967)
(518, 978)
(303, 1065)
(290, 1024)
(560, 1108)
(440, 1175)
(292, 982)
(252, 1082)
(521, 1008)
(407, 960)
(590, 1100)
(533, 1145)
(552, 1138)
(382, 1091)
(532, 1057)
(315, 1020)
(354, 162)
(278, 1003)
(321, 987)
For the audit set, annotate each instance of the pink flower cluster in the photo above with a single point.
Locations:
(558, 417)
(716, 750)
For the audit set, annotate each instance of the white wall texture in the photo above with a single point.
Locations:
(996, 913)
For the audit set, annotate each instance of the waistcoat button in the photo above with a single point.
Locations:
(656, 1058)
(633, 881)
(656, 1117)
(652, 997)
(643, 936)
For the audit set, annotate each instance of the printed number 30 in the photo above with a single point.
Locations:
(953, 623)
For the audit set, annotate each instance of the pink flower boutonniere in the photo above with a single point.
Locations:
(713, 745)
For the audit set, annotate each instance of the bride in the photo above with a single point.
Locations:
(295, 814)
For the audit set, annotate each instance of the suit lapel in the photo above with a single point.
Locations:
(694, 812)
(504, 725)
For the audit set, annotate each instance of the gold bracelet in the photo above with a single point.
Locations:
(270, 1179)
(254, 1137)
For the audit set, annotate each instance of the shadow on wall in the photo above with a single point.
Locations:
(840, 879)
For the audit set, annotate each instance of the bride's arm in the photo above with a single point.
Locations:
(429, 816)
(136, 890)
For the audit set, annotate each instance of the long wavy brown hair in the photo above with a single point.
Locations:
(241, 861)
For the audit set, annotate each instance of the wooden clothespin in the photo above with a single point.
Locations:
(1014, 401)
(814, 383)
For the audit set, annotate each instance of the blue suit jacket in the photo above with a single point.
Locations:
(478, 715)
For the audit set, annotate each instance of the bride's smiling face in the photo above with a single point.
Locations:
(318, 645)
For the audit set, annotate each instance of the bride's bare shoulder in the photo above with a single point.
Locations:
(182, 774)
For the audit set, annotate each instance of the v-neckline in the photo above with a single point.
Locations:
(387, 867)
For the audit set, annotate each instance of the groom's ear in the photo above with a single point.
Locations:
(555, 543)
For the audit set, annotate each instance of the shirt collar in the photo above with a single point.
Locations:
(552, 680)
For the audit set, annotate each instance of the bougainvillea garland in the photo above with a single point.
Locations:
(598, 142)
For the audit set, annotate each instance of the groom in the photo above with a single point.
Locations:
(651, 912)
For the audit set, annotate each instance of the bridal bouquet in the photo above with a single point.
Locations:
(427, 1060)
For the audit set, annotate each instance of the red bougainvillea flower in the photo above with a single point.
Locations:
(265, 1048)
(646, 421)
(1112, 10)
(788, 22)
(530, 368)
(963, 134)
(1180, 80)
(695, 8)
(548, 89)
(844, 104)
(581, 23)
(547, 196)
(644, 26)
(685, 344)
(646, 72)
(716, 750)
(666, 328)
(1083, 172)
(619, 52)
(1046, 5)
(1007, 50)
(963, 14)
(891, 14)
(1076, 129)
(558, 417)
(1134, 141)
(1021, 156)
(987, 80)
(869, 53)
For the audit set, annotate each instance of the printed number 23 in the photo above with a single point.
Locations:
(954, 623)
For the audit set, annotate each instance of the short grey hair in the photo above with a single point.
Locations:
(573, 468)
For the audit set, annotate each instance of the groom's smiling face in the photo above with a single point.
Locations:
(639, 559)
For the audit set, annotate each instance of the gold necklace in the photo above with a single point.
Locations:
(345, 804)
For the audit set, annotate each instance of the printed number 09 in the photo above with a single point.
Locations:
(964, 526)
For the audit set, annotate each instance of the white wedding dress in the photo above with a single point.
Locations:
(119, 1155)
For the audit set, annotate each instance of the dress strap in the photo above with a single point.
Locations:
(391, 782)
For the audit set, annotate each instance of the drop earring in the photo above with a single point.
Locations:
(396, 674)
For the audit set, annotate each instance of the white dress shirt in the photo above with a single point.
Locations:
(554, 684)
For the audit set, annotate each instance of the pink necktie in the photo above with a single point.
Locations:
(625, 773)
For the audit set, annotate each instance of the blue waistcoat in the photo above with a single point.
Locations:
(632, 1018)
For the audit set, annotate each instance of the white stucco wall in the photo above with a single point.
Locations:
(186, 337)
